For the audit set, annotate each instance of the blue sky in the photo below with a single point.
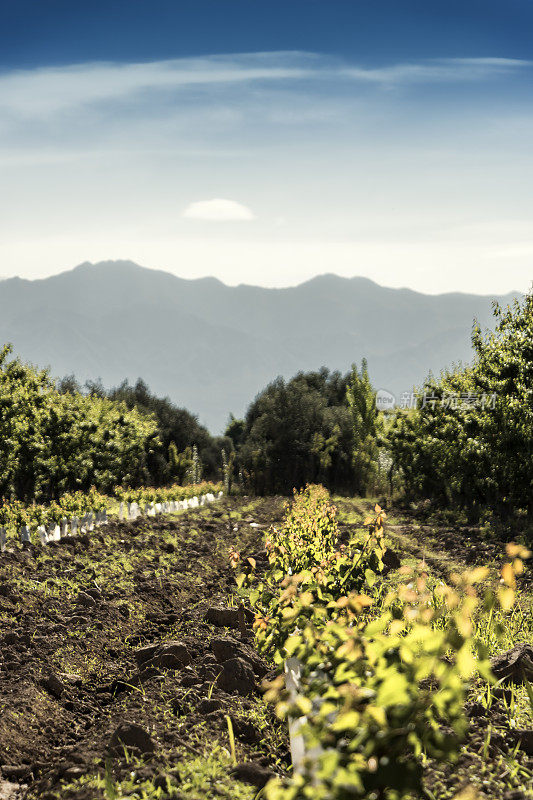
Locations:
(268, 142)
(39, 32)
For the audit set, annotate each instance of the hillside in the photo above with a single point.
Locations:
(212, 347)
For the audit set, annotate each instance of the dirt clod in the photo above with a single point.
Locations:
(85, 599)
(252, 773)
(237, 676)
(53, 685)
(514, 665)
(132, 737)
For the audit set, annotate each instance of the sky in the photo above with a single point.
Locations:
(268, 142)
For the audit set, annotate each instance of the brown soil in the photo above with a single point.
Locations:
(74, 614)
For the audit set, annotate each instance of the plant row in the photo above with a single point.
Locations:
(165, 494)
(82, 510)
(384, 664)
(167, 500)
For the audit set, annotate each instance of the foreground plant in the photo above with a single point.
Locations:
(383, 674)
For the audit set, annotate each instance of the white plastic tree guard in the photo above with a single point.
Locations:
(299, 752)
(293, 672)
(92, 520)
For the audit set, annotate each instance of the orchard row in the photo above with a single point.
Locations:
(373, 667)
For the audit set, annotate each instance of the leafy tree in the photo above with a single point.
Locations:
(366, 424)
(175, 425)
(235, 431)
(470, 445)
(296, 432)
(53, 442)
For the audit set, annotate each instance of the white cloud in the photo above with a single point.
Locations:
(218, 210)
(437, 70)
(46, 91)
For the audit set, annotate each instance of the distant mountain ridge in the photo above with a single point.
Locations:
(212, 347)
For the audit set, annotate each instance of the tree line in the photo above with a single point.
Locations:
(468, 445)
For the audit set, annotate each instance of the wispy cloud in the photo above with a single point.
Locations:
(48, 91)
(405, 168)
(218, 210)
(438, 70)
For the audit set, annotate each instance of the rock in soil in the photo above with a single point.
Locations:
(245, 731)
(168, 655)
(514, 665)
(237, 676)
(53, 685)
(208, 705)
(15, 772)
(252, 773)
(86, 600)
(227, 617)
(225, 648)
(131, 736)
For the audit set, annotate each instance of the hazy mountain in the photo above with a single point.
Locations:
(212, 347)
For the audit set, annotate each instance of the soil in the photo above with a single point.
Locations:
(123, 653)
(79, 686)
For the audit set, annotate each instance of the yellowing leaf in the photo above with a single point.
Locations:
(466, 662)
(393, 691)
(517, 550)
(377, 713)
(506, 596)
(508, 575)
(346, 721)
(396, 626)
(304, 705)
(478, 574)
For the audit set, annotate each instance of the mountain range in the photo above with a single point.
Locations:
(212, 347)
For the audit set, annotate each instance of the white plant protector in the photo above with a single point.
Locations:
(293, 674)
(24, 534)
(3, 540)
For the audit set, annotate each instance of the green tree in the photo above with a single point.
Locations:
(53, 442)
(470, 444)
(296, 432)
(366, 425)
